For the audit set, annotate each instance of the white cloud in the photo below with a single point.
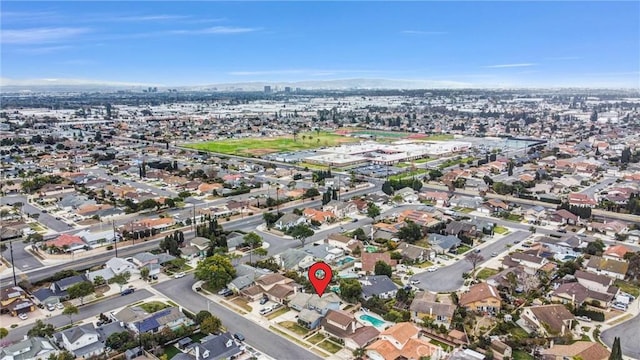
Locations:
(215, 30)
(501, 66)
(421, 32)
(40, 35)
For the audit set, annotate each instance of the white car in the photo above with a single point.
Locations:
(23, 316)
(413, 282)
(59, 306)
(266, 310)
(432, 269)
(178, 275)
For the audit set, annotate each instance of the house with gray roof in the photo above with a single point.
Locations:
(220, 347)
(31, 348)
(309, 318)
(83, 341)
(96, 239)
(378, 285)
(443, 243)
(287, 221)
(119, 266)
(294, 259)
(234, 240)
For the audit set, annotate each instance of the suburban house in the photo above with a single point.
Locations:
(407, 194)
(562, 217)
(535, 215)
(83, 341)
(402, 340)
(276, 287)
(439, 197)
(616, 252)
(97, 239)
(595, 282)
(31, 348)
(427, 304)
(610, 228)
(579, 199)
(343, 325)
(576, 294)
(219, 347)
(341, 209)
(481, 297)
(585, 350)
(287, 221)
(443, 243)
(378, 285)
(460, 228)
(294, 259)
(518, 279)
(562, 247)
(66, 243)
(119, 266)
(529, 261)
(548, 320)
(369, 260)
(613, 268)
(415, 253)
(170, 317)
(245, 276)
(319, 215)
(14, 300)
(309, 319)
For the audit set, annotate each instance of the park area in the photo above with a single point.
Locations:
(256, 147)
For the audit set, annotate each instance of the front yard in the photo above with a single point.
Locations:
(486, 273)
(294, 327)
(153, 306)
(500, 230)
(277, 313)
(243, 303)
(330, 346)
(628, 287)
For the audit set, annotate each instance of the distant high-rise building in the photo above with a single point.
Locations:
(267, 89)
(287, 89)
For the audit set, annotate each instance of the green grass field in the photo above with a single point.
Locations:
(255, 147)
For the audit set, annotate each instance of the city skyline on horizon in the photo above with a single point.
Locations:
(430, 44)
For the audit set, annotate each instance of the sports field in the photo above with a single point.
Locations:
(255, 147)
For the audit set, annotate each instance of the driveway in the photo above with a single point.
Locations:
(449, 278)
(179, 290)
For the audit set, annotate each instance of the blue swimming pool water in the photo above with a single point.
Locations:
(375, 322)
(345, 260)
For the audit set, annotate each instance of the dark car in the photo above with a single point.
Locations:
(264, 300)
(127, 292)
(238, 336)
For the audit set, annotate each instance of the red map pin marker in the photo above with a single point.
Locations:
(320, 276)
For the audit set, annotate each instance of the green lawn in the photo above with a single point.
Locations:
(262, 146)
(316, 338)
(277, 313)
(521, 355)
(500, 230)
(408, 174)
(513, 217)
(466, 210)
(153, 306)
(294, 327)
(425, 264)
(171, 351)
(452, 162)
(486, 273)
(330, 346)
(462, 249)
(627, 287)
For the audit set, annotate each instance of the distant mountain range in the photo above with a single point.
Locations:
(61, 85)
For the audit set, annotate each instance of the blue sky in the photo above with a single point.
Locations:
(519, 44)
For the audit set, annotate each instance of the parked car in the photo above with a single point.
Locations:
(178, 275)
(266, 310)
(238, 336)
(432, 269)
(494, 254)
(23, 316)
(584, 318)
(59, 306)
(51, 307)
(413, 282)
(619, 306)
(225, 292)
(127, 292)
(264, 300)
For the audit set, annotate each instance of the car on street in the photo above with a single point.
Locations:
(238, 336)
(178, 275)
(413, 282)
(477, 251)
(23, 316)
(494, 254)
(127, 292)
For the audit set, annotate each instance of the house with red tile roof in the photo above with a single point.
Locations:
(579, 199)
(481, 297)
(616, 252)
(67, 242)
(369, 260)
(402, 340)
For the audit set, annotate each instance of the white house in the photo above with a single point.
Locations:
(82, 341)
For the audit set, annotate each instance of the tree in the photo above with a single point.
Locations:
(358, 353)
(410, 232)
(595, 247)
(616, 351)
(386, 188)
(211, 325)
(373, 211)
(99, 280)
(350, 289)
(121, 279)
(382, 268)
(201, 316)
(80, 290)
(119, 340)
(144, 273)
(261, 251)
(474, 259)
(217, 271)
(510, 168)
(633, 259)
(300, 232)
(311, 192)
(3, 333)
(62, 355)
(170, 203)
(271, 218)
(40, 329)
(253, 240)
(70, 310)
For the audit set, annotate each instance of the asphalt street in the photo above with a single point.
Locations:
(629, 334)
(179, 290)
(23, 259)
(44, 218)
(449, 278)
(84, 312)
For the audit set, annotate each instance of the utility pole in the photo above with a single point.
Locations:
(13, 265)
(115, 237)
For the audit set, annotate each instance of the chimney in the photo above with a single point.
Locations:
(430, 311)
(197, 352)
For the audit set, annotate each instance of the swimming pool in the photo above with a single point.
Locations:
(345, 260)
(375, 322)
(371, 248)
